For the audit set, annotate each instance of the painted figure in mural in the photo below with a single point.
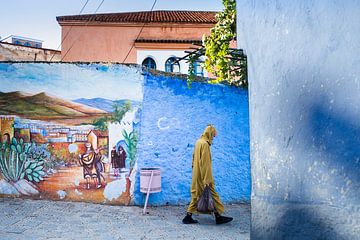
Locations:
(99, 166)
(121, 155)
(114, 164)
(118, 159)
(87, 161)
(202, 176)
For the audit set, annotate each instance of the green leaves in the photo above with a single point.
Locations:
(38, 168)
(19, 160)
(34, 171)
(12, 159)
(120, 111)
(33, 165)
(101, 123)
(26, 148)
(131, 141)
(217, 44)
(191, 71)
(27, 164)
(13, 148)
(116, 117)
(220, 59)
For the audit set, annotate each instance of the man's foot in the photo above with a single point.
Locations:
(188, 219)
(98, 186)
(222, 219)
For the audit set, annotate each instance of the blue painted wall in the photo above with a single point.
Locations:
(304, 68)
(174, 117)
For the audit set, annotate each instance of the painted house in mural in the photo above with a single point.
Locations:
(114, 37)
(98, 139)
(6, 128)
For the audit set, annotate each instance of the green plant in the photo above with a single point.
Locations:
(101, 123)
(120, 111)
(225, 63)
(131, 141)
(217, 44)
(116, 116)
(34, 167)
(12, 159)
(191, 71)
(19, 159)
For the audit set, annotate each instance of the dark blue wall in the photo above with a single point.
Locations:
(174, 117)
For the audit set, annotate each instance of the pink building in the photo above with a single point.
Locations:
(153, 39)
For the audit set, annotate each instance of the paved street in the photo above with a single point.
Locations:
(39, 219)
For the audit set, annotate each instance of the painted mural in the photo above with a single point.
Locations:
(69, 131)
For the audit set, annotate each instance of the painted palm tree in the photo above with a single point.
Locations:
(131, 141)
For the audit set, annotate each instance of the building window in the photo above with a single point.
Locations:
(170, 66)
(199, 71)
(17, 42)
(27, 44)
(149, 63)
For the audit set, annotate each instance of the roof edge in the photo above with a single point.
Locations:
(72, 18)
(16, 45)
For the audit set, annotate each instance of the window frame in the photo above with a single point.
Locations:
(148, 59)
(169, 66)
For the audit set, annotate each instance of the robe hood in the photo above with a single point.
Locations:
(209, 134)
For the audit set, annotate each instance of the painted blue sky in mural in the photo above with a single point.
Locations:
(71, 82)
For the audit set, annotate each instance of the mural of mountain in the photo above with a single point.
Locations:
(42, 105)
(104, 104)
(16, 94)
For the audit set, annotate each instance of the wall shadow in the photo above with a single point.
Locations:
(333, 136)
(305, 224)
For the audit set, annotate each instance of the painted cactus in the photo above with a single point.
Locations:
(19, 160)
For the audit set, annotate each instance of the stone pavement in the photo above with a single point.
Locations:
(40, 219)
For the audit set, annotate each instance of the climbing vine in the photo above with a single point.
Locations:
(191, 71)
(225, 63)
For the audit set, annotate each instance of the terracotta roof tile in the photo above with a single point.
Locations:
(198, 41)
(145, 17)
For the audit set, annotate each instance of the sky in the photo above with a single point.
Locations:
(70, 82)
(37, 18)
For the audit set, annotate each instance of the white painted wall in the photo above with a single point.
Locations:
(115, 129)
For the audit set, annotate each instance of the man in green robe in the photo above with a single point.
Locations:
(202, 176)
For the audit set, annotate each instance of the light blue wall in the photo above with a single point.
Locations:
(174, 117)
(304, 73)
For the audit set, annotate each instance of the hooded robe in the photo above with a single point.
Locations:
(88, 164)
(202, 171)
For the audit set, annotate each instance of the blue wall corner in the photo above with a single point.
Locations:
(173, 118)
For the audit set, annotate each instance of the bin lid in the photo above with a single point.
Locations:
(149, 168)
